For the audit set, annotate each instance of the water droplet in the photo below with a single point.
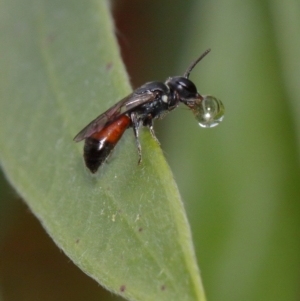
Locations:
(209, 112)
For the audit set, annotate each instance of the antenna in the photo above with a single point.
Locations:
(190, 68)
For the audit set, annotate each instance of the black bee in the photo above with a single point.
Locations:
(150, 101)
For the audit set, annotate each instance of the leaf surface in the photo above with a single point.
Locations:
(124, 226)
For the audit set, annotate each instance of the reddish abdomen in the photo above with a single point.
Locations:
(99, 146)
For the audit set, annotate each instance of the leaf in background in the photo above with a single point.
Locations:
(243, 177)
(285, 19)
(126, 226)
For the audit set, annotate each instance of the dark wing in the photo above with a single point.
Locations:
(125, 105)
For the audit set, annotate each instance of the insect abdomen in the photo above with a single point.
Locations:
(98, 147)
(94, 154)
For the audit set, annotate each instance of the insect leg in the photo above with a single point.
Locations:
(135, 126)
(150, 125)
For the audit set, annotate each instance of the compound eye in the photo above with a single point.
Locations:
(185, 87)
(188, 86)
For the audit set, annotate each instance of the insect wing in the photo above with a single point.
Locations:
(102, 120)
(125, 105)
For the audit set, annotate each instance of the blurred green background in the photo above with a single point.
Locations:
(239, 181)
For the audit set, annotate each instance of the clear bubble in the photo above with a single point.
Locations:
(209, 112)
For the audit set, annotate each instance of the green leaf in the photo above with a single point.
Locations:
(125, 226)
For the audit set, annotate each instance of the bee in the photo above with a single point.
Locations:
(150, 101)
